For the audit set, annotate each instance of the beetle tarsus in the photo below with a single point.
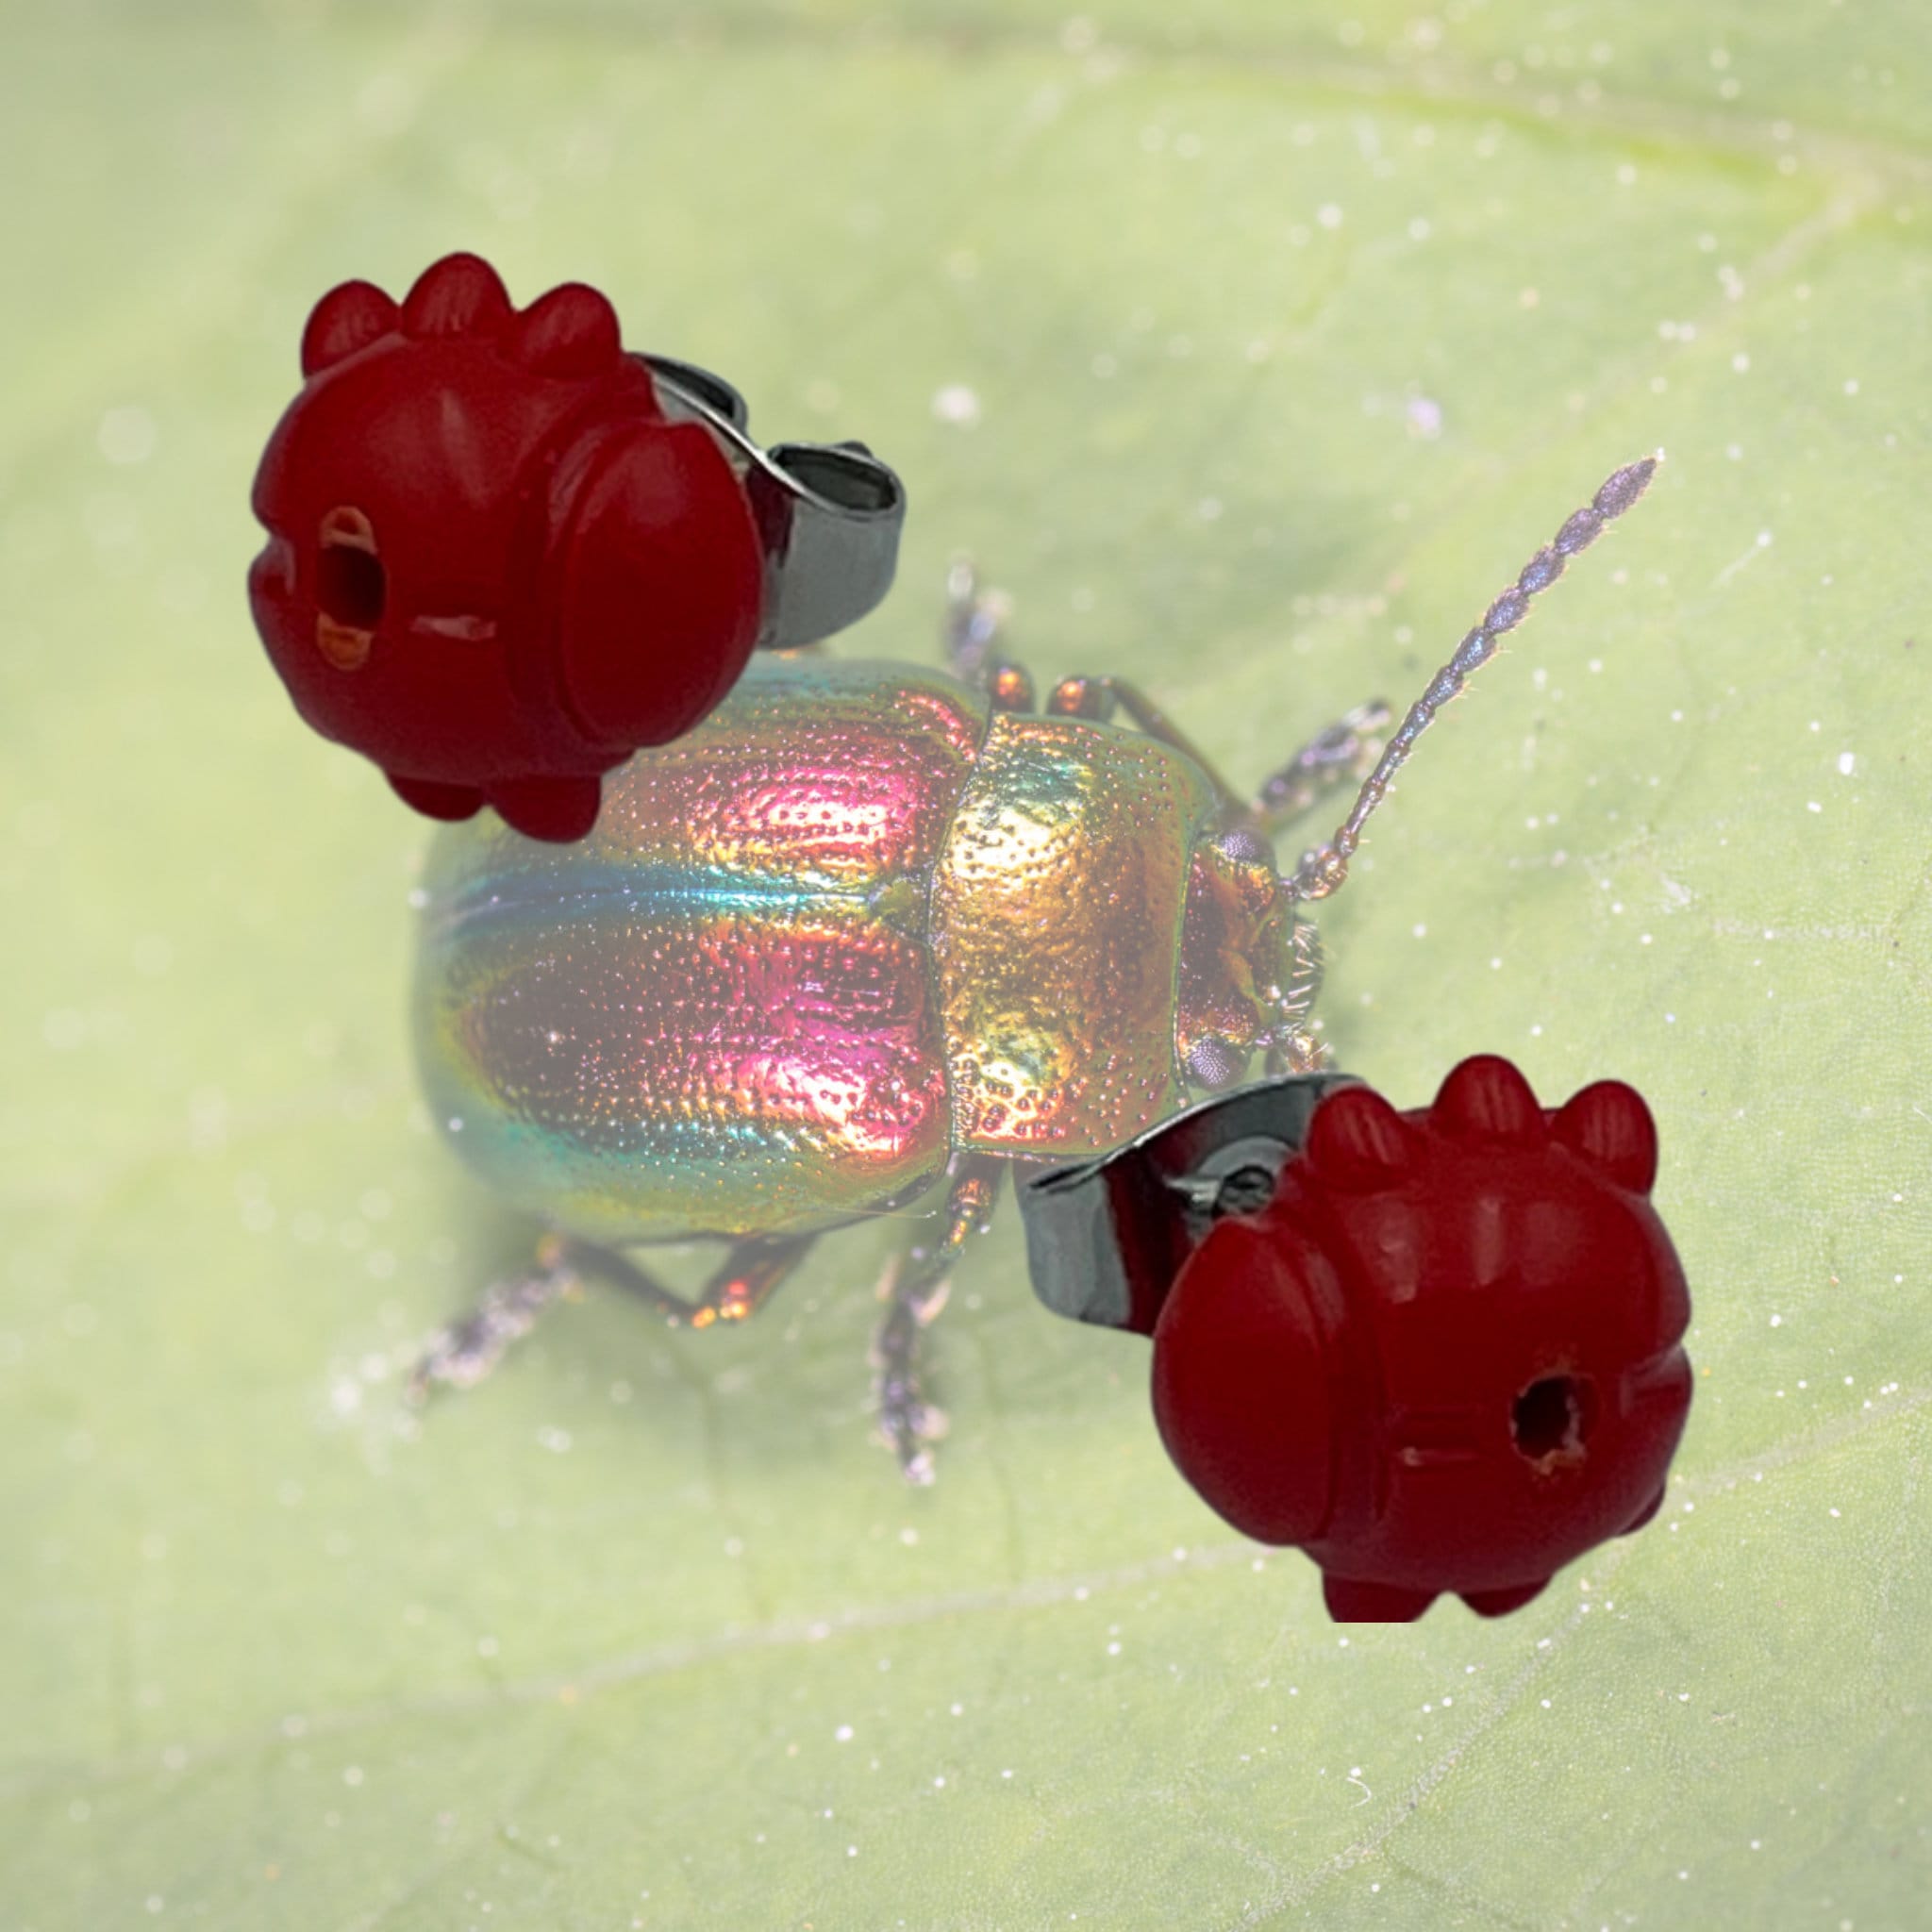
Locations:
(907, 1421)
(462, 1354)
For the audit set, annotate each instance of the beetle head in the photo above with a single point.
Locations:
(1249, 966)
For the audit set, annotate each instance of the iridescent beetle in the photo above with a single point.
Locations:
(865, 928)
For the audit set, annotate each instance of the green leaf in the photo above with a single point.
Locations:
(1252, 358)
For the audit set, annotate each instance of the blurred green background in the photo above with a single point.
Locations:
(1251, 347)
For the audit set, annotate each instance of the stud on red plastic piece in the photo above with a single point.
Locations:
(1440, 1351)
(503, 553)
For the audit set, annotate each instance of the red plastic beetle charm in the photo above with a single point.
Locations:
(1443, 1353)
(504, 554)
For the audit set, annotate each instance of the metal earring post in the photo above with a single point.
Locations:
(829, 515)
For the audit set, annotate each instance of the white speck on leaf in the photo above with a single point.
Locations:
(957, 403)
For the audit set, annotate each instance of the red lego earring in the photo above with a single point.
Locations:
(1438, 1350)
(503, 553)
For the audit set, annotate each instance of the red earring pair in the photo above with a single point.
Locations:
(1438, 1350)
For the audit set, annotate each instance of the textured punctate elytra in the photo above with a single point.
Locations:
(493, 566)
(1447, 1355)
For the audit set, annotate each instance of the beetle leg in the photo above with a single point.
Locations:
(1098, 698)
(740, 1286)
(1344, 754)
(466, 1351)
(976, 622)
(915, 1289)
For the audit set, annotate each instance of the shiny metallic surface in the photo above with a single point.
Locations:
(716, 1013)
(1057, 913)
(1104, 1239)
(829, 515)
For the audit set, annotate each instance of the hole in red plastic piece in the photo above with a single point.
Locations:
(352, 586)
(1550, 1420)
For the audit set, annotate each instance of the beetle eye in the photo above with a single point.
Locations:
(1240, 843)
(1213, 1062)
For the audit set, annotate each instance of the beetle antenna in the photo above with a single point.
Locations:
(1324, 869)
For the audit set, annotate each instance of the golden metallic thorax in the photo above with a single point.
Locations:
(1056, 908)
